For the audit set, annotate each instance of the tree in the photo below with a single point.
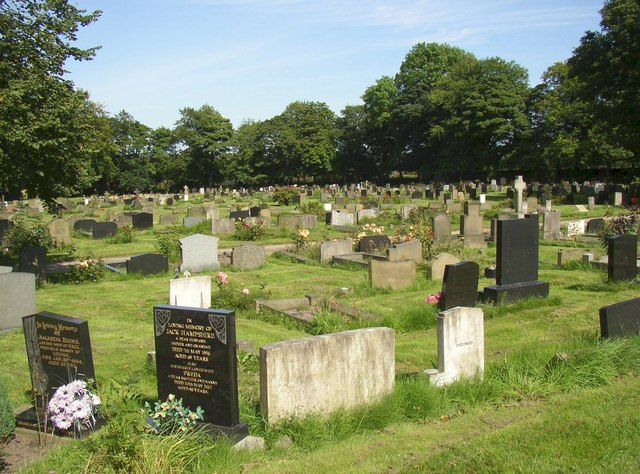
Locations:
(413, 112)
(132, 154)
(482, 104)
(206, 137)
(353, 159)
(308, 138)
(166, 159)
(605, 70)
(44, 122)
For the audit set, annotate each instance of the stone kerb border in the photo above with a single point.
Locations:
(321, 374)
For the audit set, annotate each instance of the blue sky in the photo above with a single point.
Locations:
(249, 59)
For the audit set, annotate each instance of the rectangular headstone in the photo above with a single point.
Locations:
(199, 253)
(517, 250)
(374, 244)
(321, 374)
(460, 345)
(331, 248)
(148, 264)
(142, 220)
(59, 352)
(460, 285)
(100, 230)
(622, 251)
(393, 275)
(33, 260)
(196, 361)
(247, 257)
(17, 298)
(620, 319)
(194, 292)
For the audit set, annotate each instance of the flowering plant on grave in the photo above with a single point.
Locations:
(89, 269)
(433, 299)
(366, 230)
(249, 231)
(300, 238)
(171, 416)
(222, 279)
(73, 406)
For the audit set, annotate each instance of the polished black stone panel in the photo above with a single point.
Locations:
(620, 319)
(517, 250)
(460, 285)
(497, 294)
(622, 253)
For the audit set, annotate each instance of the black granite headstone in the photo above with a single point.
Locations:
(239, 215)
(169, 201)
(59, 352)
(620, 319)
(142, 220)
(516, 262)
(254, 211)
(517, 250)
(84, 225)
(416, 195)
(33, 260)
(148, 264)
(104, 229)
(595, 225)
(460, 285)
(374, 244)
(196, 361)
(623, 256)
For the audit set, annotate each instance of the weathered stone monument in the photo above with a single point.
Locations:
(199, 253)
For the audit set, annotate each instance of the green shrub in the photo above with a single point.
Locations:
(313, 207)
(87, 270)
(125, 235)
(26, 233)
(284, 196)
(7, 418)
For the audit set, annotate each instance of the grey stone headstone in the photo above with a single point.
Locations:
(332, 248)
(192, 221)
(60, 232)
(199, 253)
(247, 257)
(223, 226)
(17, 298)
(374, 244)
(551, 225)
(441, 227)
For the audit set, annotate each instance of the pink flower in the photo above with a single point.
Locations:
(222, 277)
(245, 292)
(433, 299)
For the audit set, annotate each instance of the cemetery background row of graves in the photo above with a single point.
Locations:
(422, 306)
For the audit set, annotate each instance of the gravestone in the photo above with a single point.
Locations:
(142, 220)
(551, 225)
(254, 211)
(410, 250)
(239, 214)
(339, 218)
(84, 225)
(148, 264)
(196, 361)
(460, 285)
(332, 248)
(440, 262)
(471, 225)
(33, 260)
(59, 352)
(17, 298)
(100, 230)
(595, 226)
(168, 219)
(460, 345)
(60, 232)
(374, 244)
(620, 319)
(393, 275)
(199, 253)
(223, 226)
(194, 292)
(516, 262)
(195, 211)
(441, 227)
(622, 251)
(247, 257)
(520, 186)
(289, 221)
(192, 221)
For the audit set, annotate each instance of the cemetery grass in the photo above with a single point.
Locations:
(524, 414)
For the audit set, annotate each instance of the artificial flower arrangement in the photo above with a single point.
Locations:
(74, 406)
